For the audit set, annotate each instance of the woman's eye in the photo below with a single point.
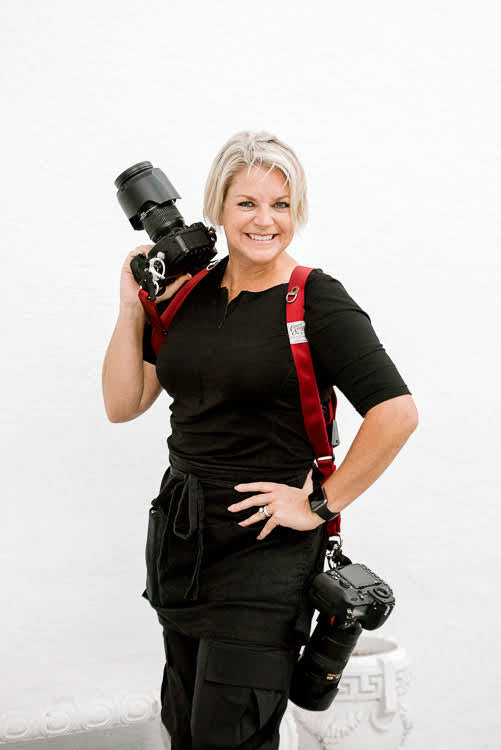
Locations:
(279, 204)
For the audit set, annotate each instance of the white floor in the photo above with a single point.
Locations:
(147, 735)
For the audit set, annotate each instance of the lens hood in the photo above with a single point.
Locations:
(140, 187)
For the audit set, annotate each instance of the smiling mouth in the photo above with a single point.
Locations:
(261, 237)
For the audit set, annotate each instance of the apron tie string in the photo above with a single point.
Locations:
(188, 498)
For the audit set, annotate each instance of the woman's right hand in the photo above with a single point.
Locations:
(129, 286)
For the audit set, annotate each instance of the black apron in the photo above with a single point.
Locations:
(209, 577)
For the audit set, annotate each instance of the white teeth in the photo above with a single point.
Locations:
(261, 237)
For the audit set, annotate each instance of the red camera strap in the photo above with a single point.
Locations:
(160, 323)
(313, 415)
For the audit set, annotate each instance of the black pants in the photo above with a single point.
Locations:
(223, 695)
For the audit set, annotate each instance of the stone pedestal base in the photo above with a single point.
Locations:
(369, 710)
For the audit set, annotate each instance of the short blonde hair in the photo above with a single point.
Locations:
(259, 149)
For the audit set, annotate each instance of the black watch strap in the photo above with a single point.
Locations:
(318, 504)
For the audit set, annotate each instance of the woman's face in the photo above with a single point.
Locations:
(256, 215)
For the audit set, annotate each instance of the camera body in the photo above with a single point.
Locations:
(352, 593)
(349, 597)
(148, 200)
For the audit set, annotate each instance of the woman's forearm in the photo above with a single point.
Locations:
(384, 431)
(123, 370)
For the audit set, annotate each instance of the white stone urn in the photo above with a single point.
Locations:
(288, 731)
(369, 710)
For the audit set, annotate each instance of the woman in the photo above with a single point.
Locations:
(232, 541)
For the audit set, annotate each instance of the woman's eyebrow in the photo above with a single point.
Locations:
(241, 195)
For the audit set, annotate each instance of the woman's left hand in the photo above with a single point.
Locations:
(288, 506)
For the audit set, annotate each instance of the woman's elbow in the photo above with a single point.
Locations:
(415, 420)
(410, 415)
(117, 416)
(401, 410)
(113, 417)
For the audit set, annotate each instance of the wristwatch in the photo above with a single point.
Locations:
(318, 504)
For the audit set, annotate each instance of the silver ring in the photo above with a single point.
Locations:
(264, 509)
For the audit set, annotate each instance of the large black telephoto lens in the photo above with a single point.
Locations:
(316, 676)
(148, 200)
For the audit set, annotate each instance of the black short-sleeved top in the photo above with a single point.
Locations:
(231, 375)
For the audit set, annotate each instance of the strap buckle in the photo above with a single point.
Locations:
(324, 458)
(292, 294)
(213, 263)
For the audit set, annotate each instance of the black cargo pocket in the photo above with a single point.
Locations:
(240, 691)
(157, 523)
(156, 529)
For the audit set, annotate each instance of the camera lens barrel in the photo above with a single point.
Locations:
(142, 186)
(160, 220)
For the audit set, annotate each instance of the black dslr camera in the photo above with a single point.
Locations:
(148, 200)
(349, 597)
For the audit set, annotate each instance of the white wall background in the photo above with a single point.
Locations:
(393, 109)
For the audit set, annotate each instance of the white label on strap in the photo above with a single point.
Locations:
(296, 332)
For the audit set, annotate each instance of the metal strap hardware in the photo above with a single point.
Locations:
(323, 458)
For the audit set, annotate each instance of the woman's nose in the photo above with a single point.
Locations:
(263, 217)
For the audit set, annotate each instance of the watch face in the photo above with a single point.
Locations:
(317, 498)
(317, 504)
